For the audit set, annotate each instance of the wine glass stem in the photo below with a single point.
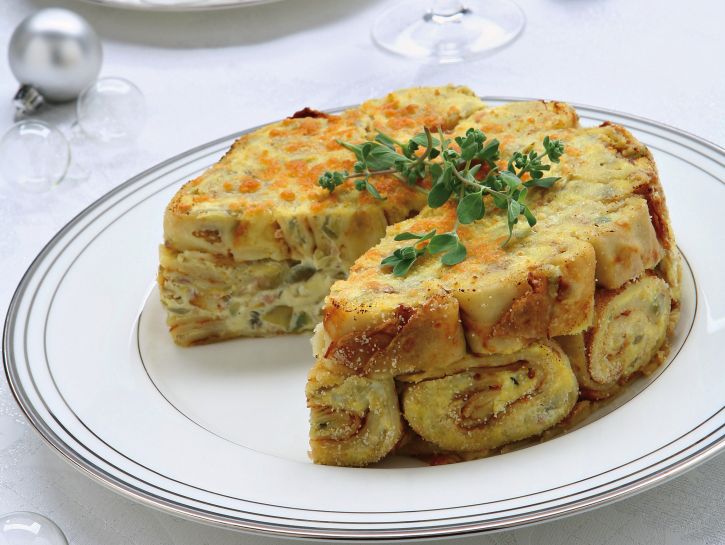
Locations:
(445, 11)
(447, 7)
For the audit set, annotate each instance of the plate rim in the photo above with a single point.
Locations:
(460, 529)
(181, 8)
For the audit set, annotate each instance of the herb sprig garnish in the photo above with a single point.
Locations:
(467, 175)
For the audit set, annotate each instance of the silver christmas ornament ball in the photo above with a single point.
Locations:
(56, 52)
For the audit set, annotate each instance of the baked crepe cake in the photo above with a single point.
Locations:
(464, 359)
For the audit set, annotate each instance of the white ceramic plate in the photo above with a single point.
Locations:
(178, 5)
(219, 433)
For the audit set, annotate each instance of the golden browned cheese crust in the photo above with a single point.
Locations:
(242, 206)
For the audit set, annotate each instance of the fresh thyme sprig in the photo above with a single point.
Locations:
(466, 174)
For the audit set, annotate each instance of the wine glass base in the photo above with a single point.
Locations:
(480, 27)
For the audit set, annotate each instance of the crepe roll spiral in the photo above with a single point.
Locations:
(354, 420)
(489, 401)
(630, 327)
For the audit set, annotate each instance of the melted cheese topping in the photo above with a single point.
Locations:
(262, 200)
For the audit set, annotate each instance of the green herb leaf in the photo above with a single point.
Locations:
(407, 236)
(408, 252)
(500, 202)
(330, 180)
(374, 192)
(390, 260)
(529, 216)
(385, 140)
(514, 209)
(442, 243)
(554, 149)
(357, 150)
(413, 236)
(542, 182)
(489, 153)
(439, 195)
(510, 179)
(435, 171)
(381, 157)
(456, 255)
(469, 151)
(470, 208)
(422, 140)
(402, 268)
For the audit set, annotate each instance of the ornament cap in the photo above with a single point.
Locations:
(27, 100)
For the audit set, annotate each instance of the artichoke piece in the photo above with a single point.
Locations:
(279, 316)
(269, 274)
(300, 273)
(301, 321)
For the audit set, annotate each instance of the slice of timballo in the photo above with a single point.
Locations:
(253, 245)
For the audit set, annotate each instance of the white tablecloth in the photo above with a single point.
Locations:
(209, 74)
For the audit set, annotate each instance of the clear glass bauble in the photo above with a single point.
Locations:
(26, 528)
(34, 155)
(112, 110)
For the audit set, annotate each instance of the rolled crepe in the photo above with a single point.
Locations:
(485, 402)
(354, 420)
(630, 328)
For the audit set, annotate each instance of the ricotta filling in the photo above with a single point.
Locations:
(249, 298)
